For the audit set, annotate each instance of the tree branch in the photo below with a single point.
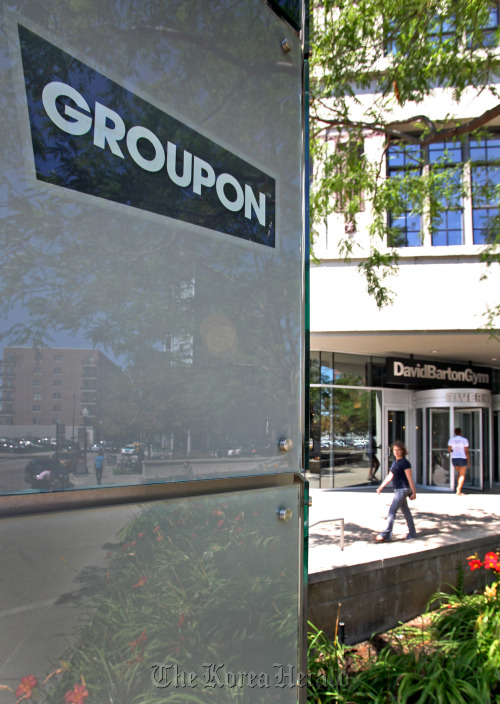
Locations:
(435, 135)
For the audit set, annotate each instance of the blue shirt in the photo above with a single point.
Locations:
(399, 479)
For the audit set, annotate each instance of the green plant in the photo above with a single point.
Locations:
(326, 667)
(186, 585)
(454, 659)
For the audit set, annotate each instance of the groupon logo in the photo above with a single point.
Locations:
(92, 135)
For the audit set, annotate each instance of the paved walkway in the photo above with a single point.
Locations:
(441, 518)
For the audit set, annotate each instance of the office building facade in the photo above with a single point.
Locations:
(416, 369)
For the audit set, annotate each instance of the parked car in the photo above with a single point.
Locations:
(46, 473)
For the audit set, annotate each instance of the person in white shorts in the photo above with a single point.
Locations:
(458, 447)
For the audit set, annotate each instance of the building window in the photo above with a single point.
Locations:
(56, 408)
(348, 149)
(487, 34)
(37, 382)
(404, 162)
(441, 30)
(491, 29)
(485, 176)
(37, 397)
(38, 370)
(57, 382)
(446, 160)
(36, 421)
(57, 395)
(57, 370)
(58, 358)
(37, 408)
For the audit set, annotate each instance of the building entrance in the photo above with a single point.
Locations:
(471, 422)
(440, 411)
(496, 444)
(438, 421)
(397, 410)
(397, 424)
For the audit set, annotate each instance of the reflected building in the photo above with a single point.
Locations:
(41, 388)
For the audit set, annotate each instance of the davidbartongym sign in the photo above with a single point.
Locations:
(426, 374)
(91, 135)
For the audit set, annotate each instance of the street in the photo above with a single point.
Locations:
(12, 474)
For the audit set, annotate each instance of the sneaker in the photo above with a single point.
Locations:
(411, 536)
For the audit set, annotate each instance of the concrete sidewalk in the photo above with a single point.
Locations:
(374, 586)
(441, 518)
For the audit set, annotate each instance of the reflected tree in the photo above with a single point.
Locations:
(206, 326)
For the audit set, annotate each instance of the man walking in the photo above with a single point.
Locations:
(458, 447)
(99, 466)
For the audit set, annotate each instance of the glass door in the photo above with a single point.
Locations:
(496, 445)
(438, 421)
(396, 429)
(470, 420)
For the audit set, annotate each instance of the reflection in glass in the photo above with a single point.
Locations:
(496, 447)
(180, 337)
(439, 432)
(351, 370)
(396, 430)
(404, 163)
(485, 176)
(126, 602)
(345, 432)
(447, 226)
(469, 420)
(328, 371)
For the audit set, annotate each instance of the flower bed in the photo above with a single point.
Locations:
(450, 655)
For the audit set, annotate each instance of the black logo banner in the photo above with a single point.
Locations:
(93, 136)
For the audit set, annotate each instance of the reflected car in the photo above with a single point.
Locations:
(128, 450)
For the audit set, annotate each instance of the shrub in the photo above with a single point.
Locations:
(453, 660)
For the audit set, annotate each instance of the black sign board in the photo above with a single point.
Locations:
(431, 374)
(92, 135)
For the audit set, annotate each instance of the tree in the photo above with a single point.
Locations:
(374, 65)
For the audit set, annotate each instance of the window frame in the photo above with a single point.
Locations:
(404, 168)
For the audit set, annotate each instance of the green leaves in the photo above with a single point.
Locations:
(454, 660)
(374, 64)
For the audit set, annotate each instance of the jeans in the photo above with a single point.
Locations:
(399, 502)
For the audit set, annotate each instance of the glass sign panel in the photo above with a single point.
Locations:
(187, 600)
(151, 236)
